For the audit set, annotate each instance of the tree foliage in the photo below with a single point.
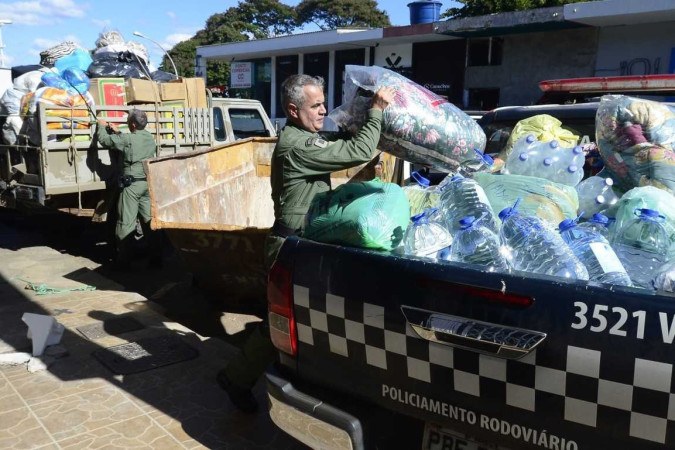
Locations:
(473, 8)
(332, 14)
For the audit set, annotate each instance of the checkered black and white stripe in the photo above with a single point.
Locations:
(584, 388)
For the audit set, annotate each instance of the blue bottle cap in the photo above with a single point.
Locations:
(530, 138)
(487, 159)
(600, 219)
(509, 210)
(523, 156)
(548, 161)
(466, 222)
(420, 179)
(571, 169)
(456, 177)
(417, 217)
(553, 144)
(567, 224)
(646, 212)
(577, 150)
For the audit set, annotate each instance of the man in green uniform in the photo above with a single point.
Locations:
(301, 166)
(134, 199)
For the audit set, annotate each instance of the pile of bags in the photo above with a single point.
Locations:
(62, 79)
(615, 227)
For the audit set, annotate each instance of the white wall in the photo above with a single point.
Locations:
(639, 49)
(393, 52)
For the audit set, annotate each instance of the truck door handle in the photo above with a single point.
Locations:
(482, 337)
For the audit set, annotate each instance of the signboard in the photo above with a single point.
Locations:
(241, 75)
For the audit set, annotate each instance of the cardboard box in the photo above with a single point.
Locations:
(196, 92)
(108, 92)
(141, 91)
(172, 91)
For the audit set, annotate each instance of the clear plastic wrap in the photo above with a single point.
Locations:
(419, 126)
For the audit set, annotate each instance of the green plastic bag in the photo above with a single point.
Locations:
(552, 202)
(367, 214)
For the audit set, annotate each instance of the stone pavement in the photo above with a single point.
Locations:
(76, 402)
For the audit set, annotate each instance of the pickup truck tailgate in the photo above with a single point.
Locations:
(511, 359)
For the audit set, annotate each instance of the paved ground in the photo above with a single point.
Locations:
(76, 402)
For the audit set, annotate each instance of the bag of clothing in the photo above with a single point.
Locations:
(636, 139)
(122, 65)
(368, 214)
(550, 201)
(418, 126)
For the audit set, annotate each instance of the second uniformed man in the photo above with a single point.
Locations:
(301, 166)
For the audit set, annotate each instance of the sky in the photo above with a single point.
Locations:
(40, 24)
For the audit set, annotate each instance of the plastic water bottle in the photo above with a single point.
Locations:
(425, 238)
(525, 156)
(595, 195)
(464, 197)
(665, 277)
(476, 244)
(594, 251)
(642, 246)
(420, 194)
(567, 164)
(599, 223)
(537, 247)
(480, 162)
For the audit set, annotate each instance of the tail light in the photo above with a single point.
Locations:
(280, 307)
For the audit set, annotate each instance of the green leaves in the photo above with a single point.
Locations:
(473, 8)
(332, 14)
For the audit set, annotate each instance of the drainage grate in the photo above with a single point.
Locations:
(145, 354)
(110, 327)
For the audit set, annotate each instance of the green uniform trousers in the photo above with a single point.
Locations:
(258, 352)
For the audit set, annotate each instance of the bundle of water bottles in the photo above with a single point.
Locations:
(456, 221)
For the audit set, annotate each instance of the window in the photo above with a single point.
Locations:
(218, 125)
(247, 123)
(485, 51)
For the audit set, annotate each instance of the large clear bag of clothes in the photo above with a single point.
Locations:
(636, 139)
(419, 126)
(367, 214)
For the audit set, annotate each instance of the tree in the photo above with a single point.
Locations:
(473, 8)
(332, 14)
(183, 55)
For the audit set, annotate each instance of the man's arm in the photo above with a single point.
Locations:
(112, 140)
(319, 157)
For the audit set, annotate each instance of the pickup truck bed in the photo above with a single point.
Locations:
(507, 359)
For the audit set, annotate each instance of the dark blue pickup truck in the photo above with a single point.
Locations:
(380, 351)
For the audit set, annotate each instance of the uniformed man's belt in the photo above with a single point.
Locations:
(281, 230)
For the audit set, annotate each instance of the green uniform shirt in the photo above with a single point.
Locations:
(302, 163)
(136, 147)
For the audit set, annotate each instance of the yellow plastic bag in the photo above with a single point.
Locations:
(544, 127)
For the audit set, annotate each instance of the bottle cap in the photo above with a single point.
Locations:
(609, 182)
(572, 168)
(466, 222)
(600, 199)
(523, 156)
(646, 212)
(456, 177)
(509, 210)
(600, 219)
(553, 144)
(577, 150)
(417, 217)
(548, 161)
(567, 224)
(530, 138)
(487, 159)
(420, 179)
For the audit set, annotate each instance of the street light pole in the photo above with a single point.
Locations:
(2, 44)
(139, 34)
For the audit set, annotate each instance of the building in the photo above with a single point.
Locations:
(477, 63)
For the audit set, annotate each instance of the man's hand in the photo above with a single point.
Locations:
(383, 97)
(111, 128)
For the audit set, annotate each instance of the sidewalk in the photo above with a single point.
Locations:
(77, 402)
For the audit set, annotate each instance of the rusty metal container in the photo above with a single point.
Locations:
(216, 208)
